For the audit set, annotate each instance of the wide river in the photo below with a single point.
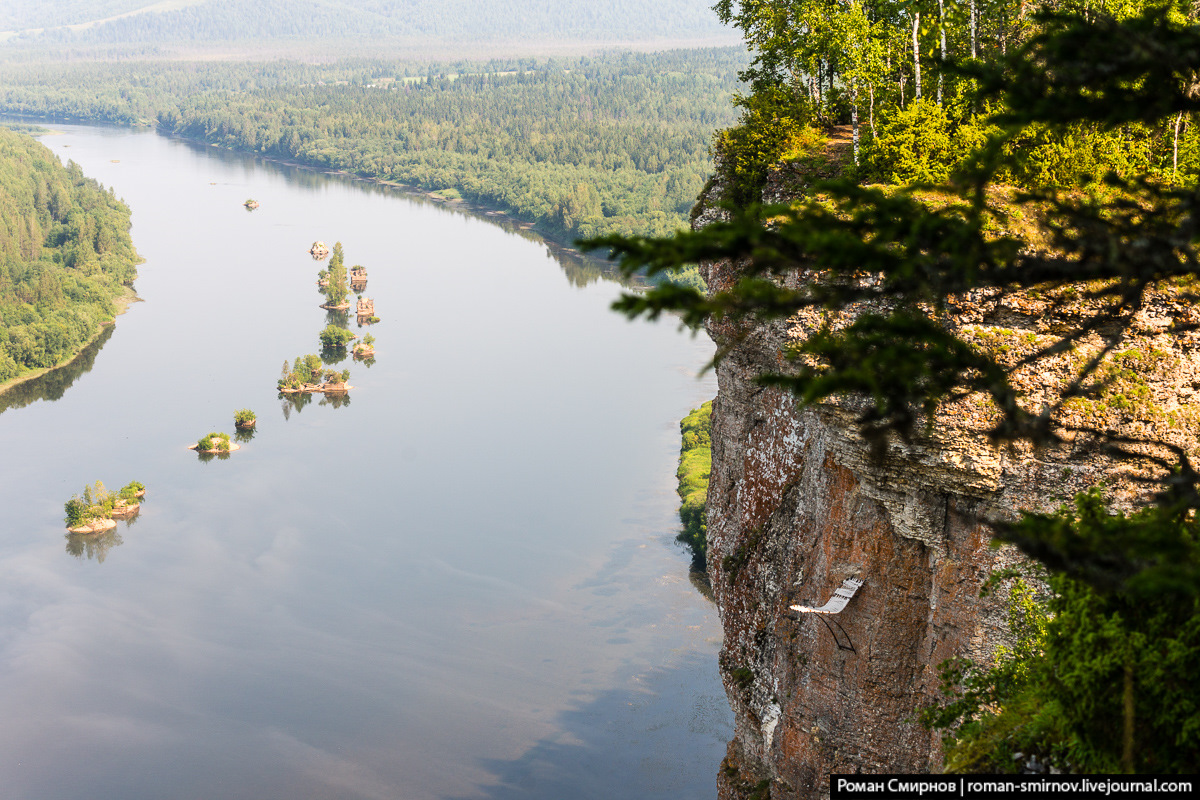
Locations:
(462, 583)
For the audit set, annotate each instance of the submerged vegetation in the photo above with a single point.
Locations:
(65, 257)
(695, 464)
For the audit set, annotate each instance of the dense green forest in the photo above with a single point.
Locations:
(905, 78)
(615, 143)
(455, 20)
(898, 136)
(65, 256)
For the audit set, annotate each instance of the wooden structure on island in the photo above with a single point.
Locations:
(358, 277)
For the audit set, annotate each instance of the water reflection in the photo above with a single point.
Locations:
(55, 383)
(293, 401)
(335, 354)
(93, 545)
(335, 399)
(622, 732)
(207, 457)
(580, 270)
(244, 435)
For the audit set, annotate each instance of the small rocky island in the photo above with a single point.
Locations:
(251, 204)
(215, 444)
(365, 348)
(308, 374)
(333, 282)
(319, 249)
(244, 418)
(98, 509)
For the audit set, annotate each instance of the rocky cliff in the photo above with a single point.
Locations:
(797, 504)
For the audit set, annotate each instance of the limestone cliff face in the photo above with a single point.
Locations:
(796, 504)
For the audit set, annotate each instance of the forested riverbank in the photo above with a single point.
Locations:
(66, 258)
(617, 143)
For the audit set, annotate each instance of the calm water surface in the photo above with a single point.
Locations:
(462, 583)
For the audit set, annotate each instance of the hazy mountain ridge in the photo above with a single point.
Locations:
(18, 15)
(228, 20)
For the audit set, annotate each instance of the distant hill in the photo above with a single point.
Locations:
(195, 21)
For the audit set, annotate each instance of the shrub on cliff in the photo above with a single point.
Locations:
(1097, 677)
(775, 125)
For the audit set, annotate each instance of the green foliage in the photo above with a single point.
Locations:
(915, 145)
(76, 512)
(695, 464)
(96, 503)
(613, 143)
(773, 126)
(333, 336)
(214, 441)
(878, 62)
(130, 491)
(338, 289)
(243, 416)
(309, 369)
(65, 255)
(1123, 607)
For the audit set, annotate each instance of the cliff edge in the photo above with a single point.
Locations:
(797, 504)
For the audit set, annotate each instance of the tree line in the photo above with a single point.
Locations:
(614, 143)
(65, 255)
(905, 76)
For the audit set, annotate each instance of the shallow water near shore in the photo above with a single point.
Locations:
(459, 581)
